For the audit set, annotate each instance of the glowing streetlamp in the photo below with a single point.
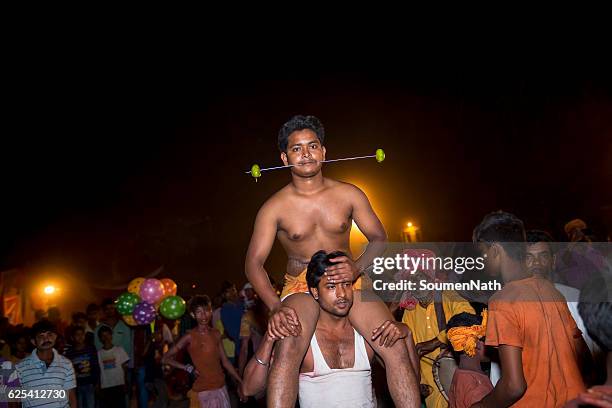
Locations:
(410, 232)
(49, 290)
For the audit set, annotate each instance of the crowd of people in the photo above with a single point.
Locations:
(321, 337)
(104, 362)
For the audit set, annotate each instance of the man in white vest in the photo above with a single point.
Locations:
(336, 370)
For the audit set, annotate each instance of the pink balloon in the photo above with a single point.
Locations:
(151, 290)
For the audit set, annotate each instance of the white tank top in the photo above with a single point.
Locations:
(338, 387)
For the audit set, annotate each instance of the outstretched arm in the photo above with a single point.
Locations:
(169, 359)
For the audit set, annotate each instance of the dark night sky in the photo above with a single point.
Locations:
(122, 174)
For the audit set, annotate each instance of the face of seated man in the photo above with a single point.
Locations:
(335, 299)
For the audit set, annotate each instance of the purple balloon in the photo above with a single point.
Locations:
(151, 290)
(144, 313)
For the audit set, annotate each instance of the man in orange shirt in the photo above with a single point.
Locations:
(529, 322)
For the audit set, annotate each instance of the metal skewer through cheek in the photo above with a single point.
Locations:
(256, 170)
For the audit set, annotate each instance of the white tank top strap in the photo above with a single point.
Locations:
(362, 362)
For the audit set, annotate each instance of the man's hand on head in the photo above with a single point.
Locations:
(284, 322)
(345, 270)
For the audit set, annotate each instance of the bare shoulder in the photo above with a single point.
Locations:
(277, 199)
(273, 204)
(346, 189)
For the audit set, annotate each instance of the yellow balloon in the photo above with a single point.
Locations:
(130, 320)
(134, 286)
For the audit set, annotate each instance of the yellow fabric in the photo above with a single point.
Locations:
(424, 326)
(297, 284)
(228, 346)
(465, 338)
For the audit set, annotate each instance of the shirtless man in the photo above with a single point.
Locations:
(314, 213)
(338, 358)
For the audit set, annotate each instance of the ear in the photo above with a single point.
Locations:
(324, 151)
(192, 315)
(554, 262)
(315, 293)
(33, 341)
(495, 251)
(283, 157)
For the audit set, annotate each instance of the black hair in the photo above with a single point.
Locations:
(107, 301)
(198, 301)
(535, 236)
(226, 285)
(317, 265)
(505, 229)
(104, 329)
(595, 308)
(74, 328)
(42, 327)
(92, 307)
(297, 123)
(79, 315)
(462, 319)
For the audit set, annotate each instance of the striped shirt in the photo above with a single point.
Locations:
(34, 374)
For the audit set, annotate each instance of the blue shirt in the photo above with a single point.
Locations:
(231, 316)
(33, 373)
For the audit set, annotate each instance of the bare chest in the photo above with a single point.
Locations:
(307, 218)
(338, 352)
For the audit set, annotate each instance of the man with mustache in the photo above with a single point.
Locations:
(308, 214)
(45, 369)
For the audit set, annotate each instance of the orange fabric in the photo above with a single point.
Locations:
(531, 314)
(465, 338)
(468, 387)
(297, 284)
(204, 352)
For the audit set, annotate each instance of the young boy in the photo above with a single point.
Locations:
(203, 344)
(470, 384)
(85, 361)
(113, 366)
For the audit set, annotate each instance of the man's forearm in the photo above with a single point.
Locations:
(256, 374)
(258, 277)
(375, 248)
(503, 395)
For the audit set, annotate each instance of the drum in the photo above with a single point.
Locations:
(443, 370)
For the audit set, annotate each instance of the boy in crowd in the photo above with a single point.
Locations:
(203, 344)
(113, 366)
(470, 384)
(84, 358)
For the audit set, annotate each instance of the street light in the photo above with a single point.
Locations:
(410, 233)
(49, 290)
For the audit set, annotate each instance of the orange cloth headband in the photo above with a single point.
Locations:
(465, 338)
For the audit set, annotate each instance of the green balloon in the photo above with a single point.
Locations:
(255, 171)
(126, 302)
(172, 307)
(380, 155)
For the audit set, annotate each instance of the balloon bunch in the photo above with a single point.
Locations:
(145, 297)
